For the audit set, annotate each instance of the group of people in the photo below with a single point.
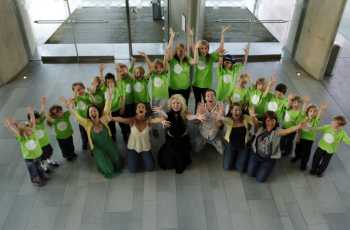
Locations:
(250, 124)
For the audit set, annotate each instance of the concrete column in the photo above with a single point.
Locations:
(313, 39)
(13, 54)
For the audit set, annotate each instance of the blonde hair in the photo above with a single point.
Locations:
(182, 101)
(141, 69)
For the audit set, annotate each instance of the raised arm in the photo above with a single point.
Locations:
(190, 47)
(169, 50)
(30, 111)
(123, 120)
(12, 125)
(246, 55)
(101, 71)
(147, 60)
(221, 48)
(285, 132)
(270, 84)
(306, 102)
(323, 108)
(43, 101)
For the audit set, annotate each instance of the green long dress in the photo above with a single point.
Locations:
(106, 153)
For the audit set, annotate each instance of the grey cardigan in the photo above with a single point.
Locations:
(274, 143)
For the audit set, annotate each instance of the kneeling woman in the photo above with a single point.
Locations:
(266, 146)
(237, 136)
(175, 153)
(139, 153)
(101, 143)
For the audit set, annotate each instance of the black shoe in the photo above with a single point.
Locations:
(38, 182)
(312, 172)
(73, 157)
(85, 147)
(303, 168)
(319, 175)
(54, 164)
(47, 170)
(294, 159)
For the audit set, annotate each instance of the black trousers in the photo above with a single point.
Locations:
(47, 152)
(286, 144)
(129, 112)
(184, 92)
(199, 93)
(320, 161)
(67, 147)
(303, 152)
(84, 137)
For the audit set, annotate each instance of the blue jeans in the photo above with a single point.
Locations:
(138, 161)
(259, 167)
(34, 168)
(235, 158)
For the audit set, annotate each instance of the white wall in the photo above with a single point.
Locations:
(13, 56)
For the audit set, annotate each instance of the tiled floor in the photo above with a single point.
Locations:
(204, 197)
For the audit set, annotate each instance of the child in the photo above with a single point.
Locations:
(30, 147)
(227, 73)
(277, 102)
(140, 85)
(82, 101)
(240, 92)
(64, 131)
(179, 67)
(43, 137)
(307, 137)
(333, 135)
(292, 117)
(97, 90)
(158, 87)
(126, 82)
(256, 97)
(203, 69)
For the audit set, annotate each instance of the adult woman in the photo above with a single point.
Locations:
(266, 146)
(175, 153)
(238, 137)
(100, 139)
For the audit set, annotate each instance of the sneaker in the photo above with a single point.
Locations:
(38, 182)
(319, 175)
(73, 157)
(54, 164)
(85, 147)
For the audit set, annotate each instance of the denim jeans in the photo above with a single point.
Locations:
(260, 167)
(235, 158)
(34, 168)
(138, 161)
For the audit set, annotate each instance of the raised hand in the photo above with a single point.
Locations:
(142, 54)
(156, 109)
(189, 31)
(172, 33)
(102, 67)
(166, 124)
(306, 99)
(43, 100)
(323, 105)
(225, 29)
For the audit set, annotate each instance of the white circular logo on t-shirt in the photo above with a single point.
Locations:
(272, 106)
(201, 65)
(81, 105)
(227, 78)
(328, 138)
(61, 126)
(39, 133)
(255, 99)
(157, 82)
(138, 87)
(98, 99)
(128, 88)
(236, 97)
(309, 125)
(30, 145)
(178, 69)
(287, 117)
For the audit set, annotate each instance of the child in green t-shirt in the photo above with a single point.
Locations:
(47, 163)
(82, 101)
(306, 137)
(59, 119)
(240, 92)
(332, 135)
(30, 146)
(277, 102)
(292, 117)
(256, 97)
(97, 92)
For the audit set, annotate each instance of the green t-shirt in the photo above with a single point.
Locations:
(116, 97)
(127, 88)
(99, 96)
(257, 100)
(62, 126)
(41, 132)
(159, 86)
(203, 70)
(179, 74)
(227, 81)
(331, 138)
(276, 104)
(292, 118)
(140, 91)
(309, 134)
(30, 147)
(82, 104)
(239, 95)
